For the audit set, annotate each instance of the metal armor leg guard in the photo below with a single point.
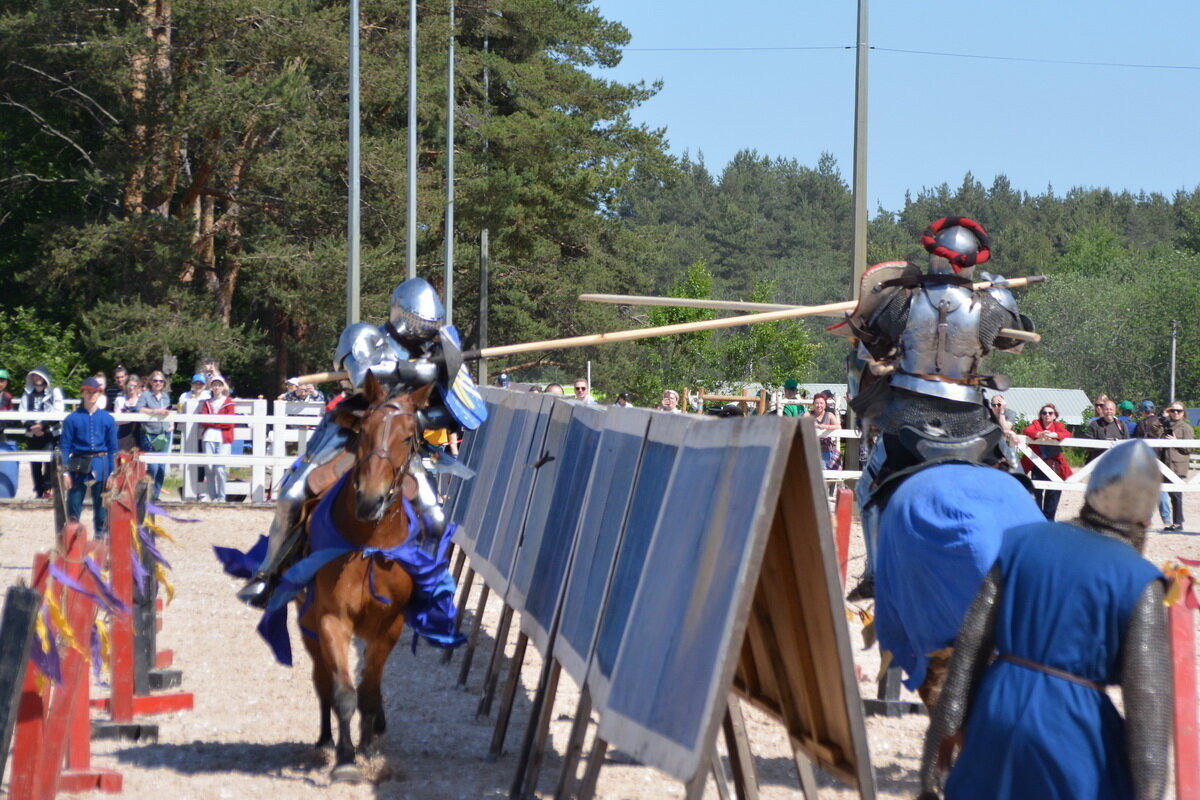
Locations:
(428, 505)
(284, 541)
(285, 537)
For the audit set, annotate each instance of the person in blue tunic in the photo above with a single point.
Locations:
(1068, 609)
(89, 447)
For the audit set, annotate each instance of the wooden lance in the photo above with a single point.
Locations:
(787, 312)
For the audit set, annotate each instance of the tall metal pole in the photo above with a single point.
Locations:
(483, 303)
(859, 250)
(860, 151)
(1174, 331)
(412, 139)
(483, 235)
(448, 287)
(353, 274)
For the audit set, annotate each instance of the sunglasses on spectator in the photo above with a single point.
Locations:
(1047, 411)
(1174, 410)
(997, 405)
(581, 388)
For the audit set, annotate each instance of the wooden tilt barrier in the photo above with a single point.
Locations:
(52, 750)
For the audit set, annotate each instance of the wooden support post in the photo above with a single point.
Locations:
(570, 765)
(804, 770)
(121, 528)
(21, 605)
(591, 775)
(510, 696)
(533, 748)
(463, 596)
(1181, 622)
(493, 674)
(741, 758)
(473, 640)
(459, 559)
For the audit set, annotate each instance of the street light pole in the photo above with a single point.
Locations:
(448, 287)
(859, 250)
(353, 274)
(412, 140)
(1174, 334)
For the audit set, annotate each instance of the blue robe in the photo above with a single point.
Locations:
(1066, 600)
(938, 536)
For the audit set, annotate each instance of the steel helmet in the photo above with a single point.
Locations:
(957, 242)
(416, 310)
(1125, 483)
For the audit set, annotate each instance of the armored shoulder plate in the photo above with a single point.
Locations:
(1000, 294)
(364, 348)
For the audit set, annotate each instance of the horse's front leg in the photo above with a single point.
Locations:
(335, 638)
(323, 683)
(372, 721)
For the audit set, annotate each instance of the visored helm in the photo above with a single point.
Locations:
(956, 242)
(416, 311)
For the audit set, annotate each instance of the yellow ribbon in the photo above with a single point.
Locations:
(160, 573)
(1178, 577)
(61, 626)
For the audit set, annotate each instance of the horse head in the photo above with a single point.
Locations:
(388, 437)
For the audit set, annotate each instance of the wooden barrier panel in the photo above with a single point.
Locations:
(667, 560)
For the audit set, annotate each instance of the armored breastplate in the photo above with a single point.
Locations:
(364, 348)
(940, 345)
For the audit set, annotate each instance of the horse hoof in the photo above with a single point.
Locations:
(347, 773)
(318, 757)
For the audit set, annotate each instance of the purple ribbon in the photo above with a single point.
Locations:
(148, 541)
(158, 512)
(111, 602)
(47, 663)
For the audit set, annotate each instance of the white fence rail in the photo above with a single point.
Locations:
(268, 427)
(265, 428)
(1045, 478)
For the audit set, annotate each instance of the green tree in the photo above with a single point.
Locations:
(32, 342)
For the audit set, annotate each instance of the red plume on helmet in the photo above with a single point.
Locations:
(959, 261)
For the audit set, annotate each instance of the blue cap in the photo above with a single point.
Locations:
(198, 378)
(91, 383)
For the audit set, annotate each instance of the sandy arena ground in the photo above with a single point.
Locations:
(251, 731)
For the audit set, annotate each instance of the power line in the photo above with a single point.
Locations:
(939, 54)
(727, 49)
(1036, 60)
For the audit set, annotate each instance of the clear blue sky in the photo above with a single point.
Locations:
(931, 118)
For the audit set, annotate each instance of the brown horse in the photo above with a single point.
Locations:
(349, 591)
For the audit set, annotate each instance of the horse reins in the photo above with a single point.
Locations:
(398, 473)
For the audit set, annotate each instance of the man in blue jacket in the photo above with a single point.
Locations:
(89, 446)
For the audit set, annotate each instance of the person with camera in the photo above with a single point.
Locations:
(1150, 426)
(1177, 458)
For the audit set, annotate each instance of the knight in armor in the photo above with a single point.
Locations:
(1070, 608)
(412, 349)
(916, 372)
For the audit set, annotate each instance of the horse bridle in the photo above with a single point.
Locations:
(398, 472)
